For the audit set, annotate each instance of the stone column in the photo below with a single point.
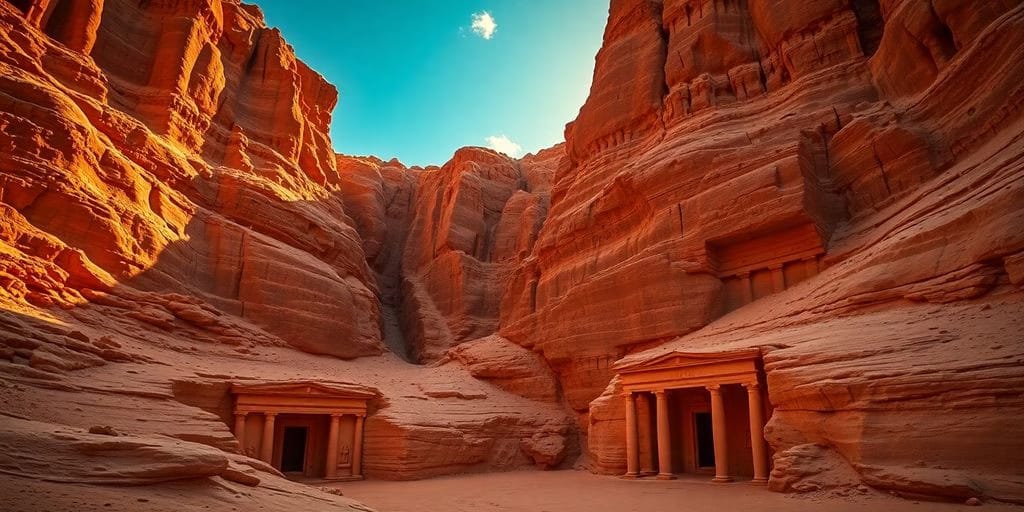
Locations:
(646, 436)
(357, 448)
(778, 279)
(718, 431)
(267, 443)
(757, 442)
(815, 264)
(332, 448)
(664, 438)
(632, 457)
(747, 287)
(240, 431)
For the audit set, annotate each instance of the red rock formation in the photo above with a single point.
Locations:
(173, 219)
(441, 240)
(265, 239)
(837, 182)
(734, 150)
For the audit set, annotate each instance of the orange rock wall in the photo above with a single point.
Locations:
(732, 151)
(168, 187)
(442, 239)
(170, 201)
(178, 147)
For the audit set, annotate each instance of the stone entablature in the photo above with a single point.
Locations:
(299, 403)
(686, 371)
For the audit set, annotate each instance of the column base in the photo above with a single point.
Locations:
(648, 473)
(759, 481)
(630, 476)
(722, 479)
(666, 476)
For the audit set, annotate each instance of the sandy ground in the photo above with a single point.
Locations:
(569, 491)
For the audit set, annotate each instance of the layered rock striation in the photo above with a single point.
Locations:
(187, 155)
(442, 240)
(836, 182)
(174, 219)
(825, 164)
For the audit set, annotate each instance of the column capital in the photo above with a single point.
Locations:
(752, 386)
(714, 388)
(269, 414)
(242, 414)
(628, 395)
(660, 393)
(337, 414)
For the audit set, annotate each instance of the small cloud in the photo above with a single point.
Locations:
(503, 144)
(484, 25)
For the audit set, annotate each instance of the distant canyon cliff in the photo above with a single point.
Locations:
(839, 183)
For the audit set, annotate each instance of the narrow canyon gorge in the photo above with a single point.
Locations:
(834, 188)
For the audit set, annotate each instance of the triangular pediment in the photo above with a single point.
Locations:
(301, 389)
(677, 359)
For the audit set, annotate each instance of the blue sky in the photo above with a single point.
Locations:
(418, 82)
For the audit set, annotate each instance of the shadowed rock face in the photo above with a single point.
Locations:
(837, 182)
(442, 240)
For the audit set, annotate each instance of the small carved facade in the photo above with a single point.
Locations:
(303, 429)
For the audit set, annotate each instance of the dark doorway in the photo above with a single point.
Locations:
(870, 24)
(22, 5)
(293, 449)
(705, 441)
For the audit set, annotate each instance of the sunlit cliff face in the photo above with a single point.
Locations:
(833, 188)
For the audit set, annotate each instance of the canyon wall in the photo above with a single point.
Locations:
(828, 164)
(442, 239)
(836, 182)
(174, 219)
(180, 147)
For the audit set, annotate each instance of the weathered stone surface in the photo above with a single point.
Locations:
(39, 450)
(836, 182)
(508, 366)
(174, 218)
(97, 193)
(442, 239)
(783, 164)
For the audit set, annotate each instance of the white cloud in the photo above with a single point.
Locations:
(484, 24)
(503, 144)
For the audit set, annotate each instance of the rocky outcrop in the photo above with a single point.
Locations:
(808, 178)
(178, 167)
(173, 178)
(172, 218)
(508, 366)
(101, 456)
(835, 182)
(442, 239)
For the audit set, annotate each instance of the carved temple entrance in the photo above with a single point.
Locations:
(696, 413)
(303, 429)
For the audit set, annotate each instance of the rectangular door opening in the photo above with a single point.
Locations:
(705, 442)
(293, 449)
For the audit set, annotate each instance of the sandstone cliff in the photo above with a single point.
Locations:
(831, 165)
(174, 219)
(187, 155)
(836, 182)
(442, 239)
